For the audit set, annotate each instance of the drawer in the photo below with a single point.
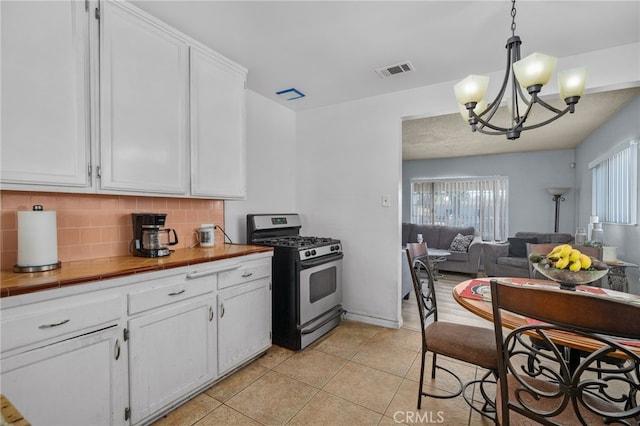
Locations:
(170, 290)
(248, 271)
(54, 320)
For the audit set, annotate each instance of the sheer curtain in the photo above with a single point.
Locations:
(481, 202)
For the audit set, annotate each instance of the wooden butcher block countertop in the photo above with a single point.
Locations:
(82, 271)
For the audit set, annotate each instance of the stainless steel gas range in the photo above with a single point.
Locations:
(307, 279)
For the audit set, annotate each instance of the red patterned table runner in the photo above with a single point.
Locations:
(479, 289)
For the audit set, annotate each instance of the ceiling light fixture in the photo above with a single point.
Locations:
(530, 73)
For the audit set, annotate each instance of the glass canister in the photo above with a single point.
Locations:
(581, 236)
(597, 234)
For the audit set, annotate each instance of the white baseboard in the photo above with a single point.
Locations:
(382, 322)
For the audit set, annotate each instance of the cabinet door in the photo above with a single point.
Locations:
(45, 94)
(172, 352)
(143, 103)
(244, 323)
(217, 127)
(81, 381)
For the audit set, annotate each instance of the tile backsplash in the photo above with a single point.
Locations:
(93, 225)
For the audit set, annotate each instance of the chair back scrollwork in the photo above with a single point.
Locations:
(565, 384)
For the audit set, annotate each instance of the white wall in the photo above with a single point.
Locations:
(622, 127)
(530, 204)
(271, 146)
(349, 155)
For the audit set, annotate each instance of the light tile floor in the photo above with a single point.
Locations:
(357, 374)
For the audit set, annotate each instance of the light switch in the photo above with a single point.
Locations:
(386, 201)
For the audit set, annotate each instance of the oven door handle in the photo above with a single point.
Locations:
(306, 264)
(335, 315)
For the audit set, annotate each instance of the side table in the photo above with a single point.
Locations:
(437, 256)
(617, 276)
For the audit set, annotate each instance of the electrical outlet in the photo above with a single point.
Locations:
(386, 201)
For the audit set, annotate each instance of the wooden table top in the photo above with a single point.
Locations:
(481, 306)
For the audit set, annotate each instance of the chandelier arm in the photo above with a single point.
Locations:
(503, 130)
(552, 119)
(549, 107)
(498, 99)
(485, 123)
(494, 133)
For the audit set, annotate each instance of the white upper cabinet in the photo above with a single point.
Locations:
(45, 94)
(102, 97)
(143, 103)
(217, 94)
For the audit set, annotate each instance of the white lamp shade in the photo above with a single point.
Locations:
(558, 191)
(480, 107)
(471, 89)
(572, 82)
(536, 68)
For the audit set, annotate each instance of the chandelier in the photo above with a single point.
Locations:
(527, 76)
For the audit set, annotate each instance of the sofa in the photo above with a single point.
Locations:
(465, 255)
(509, 259)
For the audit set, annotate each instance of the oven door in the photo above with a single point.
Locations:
(320, 286)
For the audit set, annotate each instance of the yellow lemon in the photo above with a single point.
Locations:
(585, 261)
(566, 250)
(575, 266)
(574, 255)
(562, 263)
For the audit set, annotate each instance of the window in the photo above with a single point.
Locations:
(480, 202)
(614, 196)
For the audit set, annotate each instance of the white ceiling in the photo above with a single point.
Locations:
(329, 50)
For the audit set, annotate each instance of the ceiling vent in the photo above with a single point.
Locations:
(391, 70)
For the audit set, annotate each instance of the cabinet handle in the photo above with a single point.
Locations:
(54, 325)
(117, 349)
(198, 274)
(175, 293)
(210, 313)
(247, 274)
(221, 310)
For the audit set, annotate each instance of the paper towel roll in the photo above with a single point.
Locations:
(37, 238)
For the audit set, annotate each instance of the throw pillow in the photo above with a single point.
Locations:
(518, 246)
(461, 242)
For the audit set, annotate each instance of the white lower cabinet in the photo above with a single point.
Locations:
(244, 323)
(172, 352)
(126, 351)
(80, 381)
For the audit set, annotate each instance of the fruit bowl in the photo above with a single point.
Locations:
(568, 279)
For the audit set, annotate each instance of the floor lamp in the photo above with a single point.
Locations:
(557, 197)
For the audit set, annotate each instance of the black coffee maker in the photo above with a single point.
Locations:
(150, 239)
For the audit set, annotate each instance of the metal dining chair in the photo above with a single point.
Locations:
(474, 345)
(557, 392)
(545, 248)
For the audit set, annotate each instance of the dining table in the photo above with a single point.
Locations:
(475, 296)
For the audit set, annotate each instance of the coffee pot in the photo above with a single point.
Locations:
(150, 238)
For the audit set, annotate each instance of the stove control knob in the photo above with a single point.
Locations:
(313, 252)
(307, 253)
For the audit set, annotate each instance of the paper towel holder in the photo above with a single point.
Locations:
(37, 268)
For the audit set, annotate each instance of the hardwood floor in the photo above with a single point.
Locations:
(448, 308)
